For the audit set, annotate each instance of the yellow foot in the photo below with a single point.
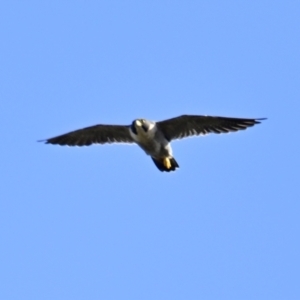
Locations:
(167, 163)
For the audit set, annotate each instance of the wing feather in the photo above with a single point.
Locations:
(98, 134)
(189, 125)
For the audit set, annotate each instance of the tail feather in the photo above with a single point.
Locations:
(166, 164)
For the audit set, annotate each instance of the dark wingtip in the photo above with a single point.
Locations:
(258, 120)
(48, 141)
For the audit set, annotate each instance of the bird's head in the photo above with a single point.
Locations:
(140, 124)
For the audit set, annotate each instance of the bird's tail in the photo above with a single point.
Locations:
(165, 164)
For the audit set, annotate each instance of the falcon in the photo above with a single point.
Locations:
(154, 137)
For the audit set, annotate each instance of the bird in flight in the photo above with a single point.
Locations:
(153, 137)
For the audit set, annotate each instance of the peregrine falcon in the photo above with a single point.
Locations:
(154, 137)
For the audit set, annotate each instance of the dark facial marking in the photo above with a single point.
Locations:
(133, 128)
(146, 126)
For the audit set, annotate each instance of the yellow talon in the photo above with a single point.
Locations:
(167, 163)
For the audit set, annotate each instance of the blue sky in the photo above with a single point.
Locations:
(102, 222)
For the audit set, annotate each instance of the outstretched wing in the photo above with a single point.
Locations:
(98, 134)
(186, 125)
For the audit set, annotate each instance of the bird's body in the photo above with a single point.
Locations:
(154, 137)
(154, 143)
